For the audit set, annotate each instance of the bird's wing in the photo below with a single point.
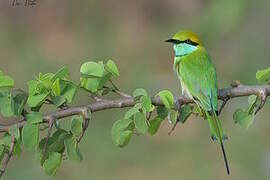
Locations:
(199, 76)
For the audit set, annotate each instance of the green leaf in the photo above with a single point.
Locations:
(122, 132)
(76, 125)
(186, 111)
(34, 118)
(263, 75)
(55, 144)
(58, 101)
(5, 140)
(2, 152)
(139, 92)
(133, 110)
(56, 87)
(124, 138)
(63, 91)
(69, 91)
(252, 99)
(173, 116)
(73, 152)
(92, 69)
(154, 125)
(37, 93)
(243, 118)
(30, 135)
(112, 68)
(60, 74)
(19, 102)
(37, 100)
(167, 98)
(6, 104)
(147, 104)
(52, 164)
(162, 112)
(140, 122)
(17, 148)
(14, 131)
(6, 81)
(90, 84)
(103, 80)
(46, 80)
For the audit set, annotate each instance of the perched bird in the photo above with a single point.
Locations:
(197, 76)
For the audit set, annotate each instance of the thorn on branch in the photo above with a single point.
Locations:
(262, 96)
(7, 157)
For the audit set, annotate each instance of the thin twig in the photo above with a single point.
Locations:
(51, 121)
(263, 97)
(86, 119)
(7, 156)
(121, 93)
(114, 86)
(224, 101)
(179, 108)
(117, 91)
(173, 128)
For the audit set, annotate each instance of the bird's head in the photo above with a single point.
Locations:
(184, 43)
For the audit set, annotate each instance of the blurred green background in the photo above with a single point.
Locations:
(66, 32)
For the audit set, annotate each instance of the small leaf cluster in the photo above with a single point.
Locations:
(134, 120)
(245, 116)
(95, 75)
(138, 118)
(57, 143)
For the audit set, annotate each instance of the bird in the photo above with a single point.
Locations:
(197, 75)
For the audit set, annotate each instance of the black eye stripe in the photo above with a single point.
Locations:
(188, 41)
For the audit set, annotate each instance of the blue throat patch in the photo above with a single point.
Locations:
(183, 49)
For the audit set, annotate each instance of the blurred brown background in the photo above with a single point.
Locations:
(55, 33)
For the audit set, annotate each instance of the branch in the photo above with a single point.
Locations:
(7, 156)
(224, 94)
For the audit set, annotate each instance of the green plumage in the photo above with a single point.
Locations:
(197, 76)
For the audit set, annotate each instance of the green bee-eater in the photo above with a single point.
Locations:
(197, 76)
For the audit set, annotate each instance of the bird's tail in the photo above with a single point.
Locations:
(217, 133)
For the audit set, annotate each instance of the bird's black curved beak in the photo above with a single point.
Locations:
(174, 41)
